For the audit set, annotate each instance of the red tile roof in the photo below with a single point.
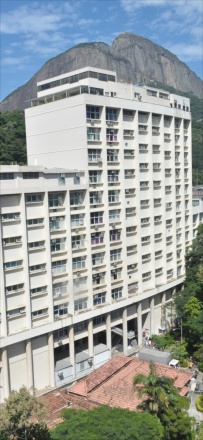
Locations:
(112, 383)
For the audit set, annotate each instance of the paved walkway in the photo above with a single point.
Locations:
(193, 396)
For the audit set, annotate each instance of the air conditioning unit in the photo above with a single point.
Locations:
(115, 264)
(96, 228)
(127, 191)
(108, 123)
(63, 175)
(133, 266)
(92, 122)
(53, 241)
(77, 175)
(131, 133)
(113, 225)
(4, 242)
(78, 274)
(18, 240)
(99, 160)
(132, 153)
(53, 218)
(77, 230)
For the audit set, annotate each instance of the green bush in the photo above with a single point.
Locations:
(199, 403)
(183, 363)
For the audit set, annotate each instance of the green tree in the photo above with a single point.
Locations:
(12, 138)
(105, 423)
(163, 399)
(22, 417)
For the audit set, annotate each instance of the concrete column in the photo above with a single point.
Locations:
(72, 348)
(108, 333)
(51, 359)
(139, 323)
(152, 315)
(125, 336)
(5, 373)
(29, 365)
(90, 338)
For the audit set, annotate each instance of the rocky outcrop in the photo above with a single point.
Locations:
(134, 58)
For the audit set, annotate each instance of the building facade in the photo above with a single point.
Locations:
(93, 245)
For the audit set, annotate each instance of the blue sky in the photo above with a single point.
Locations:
(32, 31)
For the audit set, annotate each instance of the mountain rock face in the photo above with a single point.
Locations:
(134, 58)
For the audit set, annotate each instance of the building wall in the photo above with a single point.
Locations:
(86, 251)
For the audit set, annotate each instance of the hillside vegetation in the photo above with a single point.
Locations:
(13, 138)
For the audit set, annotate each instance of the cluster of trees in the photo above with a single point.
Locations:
(189, 301)
(12, 138)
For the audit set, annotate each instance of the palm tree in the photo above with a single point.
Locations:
(160, 391)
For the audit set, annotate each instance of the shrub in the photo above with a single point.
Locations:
(199, 403)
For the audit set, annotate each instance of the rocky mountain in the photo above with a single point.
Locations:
(134, 58)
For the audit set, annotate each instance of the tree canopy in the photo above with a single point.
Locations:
(12, 138)
(105, 423)
(163, 399)
(22, 417)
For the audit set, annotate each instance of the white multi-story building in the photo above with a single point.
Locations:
(197, 207)
(95, 229)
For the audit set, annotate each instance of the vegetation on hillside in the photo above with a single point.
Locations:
(12, 138)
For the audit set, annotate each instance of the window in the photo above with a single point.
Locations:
(95, 197)
(129, 174)
(10, 216)
(30, 175)
(195, 202)
(117, 293)
(115, 254)
(99, 298)
(151, 92)
(35, 221)
(92, 112)
(76, 198)
(99, 320)
(167, 172)
(96, 218)
(145, 240)
(132, 288)
(97, 258)
(112, 155)
(156, 149)
(111, 114)
(130, 230)
(61, 333)
(145, 220)
(60, 310)
(36, 244)
(158, 237)
(113, 176)
(37, 267)
(146, 257)
(157, 202)
(157, 219)
(39, 313)
(144, 185)
(146, 276)
(158, 271)
(58, 267)
(56, 199)
(157, 184)
(168, 223)
(169, 256)
(94, 155)
(13, 264)
(79, 262)
(14, 288)
(58, 244)
(38, 290)
(114, 235)
(143, 147)
(111, 135)
(56, 223)
(114, 215)
(131, 249)
(97, 238)
(158, 254)
(144, 204)
(98, 279)
(33, 198)
(116, 274)
(78, 241)
(13, 312)
(156, 166)
(130, 211)
(59, 289)
(95, 176)
(76, 179)
(80, 304)
(169, 240)
(77, 220)
(113, 196)
(167, 189)
(93, 134)
(6, 176)
(132, 267)
(143, 166)
(12, 240)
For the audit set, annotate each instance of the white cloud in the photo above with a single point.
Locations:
(186, 52)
